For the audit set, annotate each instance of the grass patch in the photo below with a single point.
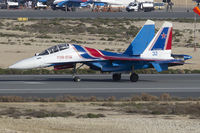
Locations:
(103, 39)
(192, 109)
(177, 33)
(44, 36)
(57, 41)
(1, 24)
(75, 41)
(32, 40)
(90, 71)
(158, 108)
(108, 49)
(45, 113)
(13, 35)
(26, 43)
(145, 104)
(45, 71)
(190, 40)
(29, 113)
(110, 39)
(109, 100)
(107, 27)
(91, 115)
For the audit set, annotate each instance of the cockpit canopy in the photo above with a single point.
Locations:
(54, 49)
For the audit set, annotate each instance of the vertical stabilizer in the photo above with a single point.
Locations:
(160, 45)
(142, 39)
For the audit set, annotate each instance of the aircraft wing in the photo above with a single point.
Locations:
(124, 58)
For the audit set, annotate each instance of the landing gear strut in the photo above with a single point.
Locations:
(117, 76)
(76, 78)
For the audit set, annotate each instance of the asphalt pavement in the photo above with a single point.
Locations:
(181, 85)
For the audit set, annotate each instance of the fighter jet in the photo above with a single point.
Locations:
(67, 5)
(147, 50)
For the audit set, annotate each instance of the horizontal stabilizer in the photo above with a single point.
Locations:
(160, 67)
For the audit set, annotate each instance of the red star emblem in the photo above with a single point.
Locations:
(163, 35)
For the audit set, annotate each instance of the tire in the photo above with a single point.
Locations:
(134, 77)
(117, 77)
(76, 79)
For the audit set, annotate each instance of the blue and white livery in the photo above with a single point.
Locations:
(147, 50)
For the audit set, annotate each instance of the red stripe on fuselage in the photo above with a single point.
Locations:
(94, 52)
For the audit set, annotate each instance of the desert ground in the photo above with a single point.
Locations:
(113, 120)
(19, 40)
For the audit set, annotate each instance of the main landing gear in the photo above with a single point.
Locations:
(116, 76)
(133, 77)
(76, 78)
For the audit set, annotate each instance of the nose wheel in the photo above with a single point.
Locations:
(117, 77)
(134, 77)
(76, 78)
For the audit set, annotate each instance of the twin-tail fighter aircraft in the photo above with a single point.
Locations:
(145, 51)
(67, 5)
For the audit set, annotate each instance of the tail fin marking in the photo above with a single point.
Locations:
(160, 45)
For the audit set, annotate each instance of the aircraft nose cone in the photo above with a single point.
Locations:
(18, 65)
(25, 64)
(12, 67)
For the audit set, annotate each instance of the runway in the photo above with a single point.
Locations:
(181, 85)
(49, 14)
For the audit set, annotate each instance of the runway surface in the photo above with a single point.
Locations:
(44, 14)
(187, 85)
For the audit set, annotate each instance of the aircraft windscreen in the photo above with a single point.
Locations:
(55, 49)
(44, 52)
(63, 46)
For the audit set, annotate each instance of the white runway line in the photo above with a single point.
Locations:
(34, 83)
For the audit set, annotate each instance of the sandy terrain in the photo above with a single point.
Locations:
(18, 44)
(114, 122)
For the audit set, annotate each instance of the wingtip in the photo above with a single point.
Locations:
(149, 22)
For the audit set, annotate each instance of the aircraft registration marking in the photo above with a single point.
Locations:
(154, 53)
(65, 57)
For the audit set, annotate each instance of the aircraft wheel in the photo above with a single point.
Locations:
(76, 79)
(117, 76)
(134, 77)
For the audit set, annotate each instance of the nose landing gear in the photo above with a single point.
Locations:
(76, 78)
